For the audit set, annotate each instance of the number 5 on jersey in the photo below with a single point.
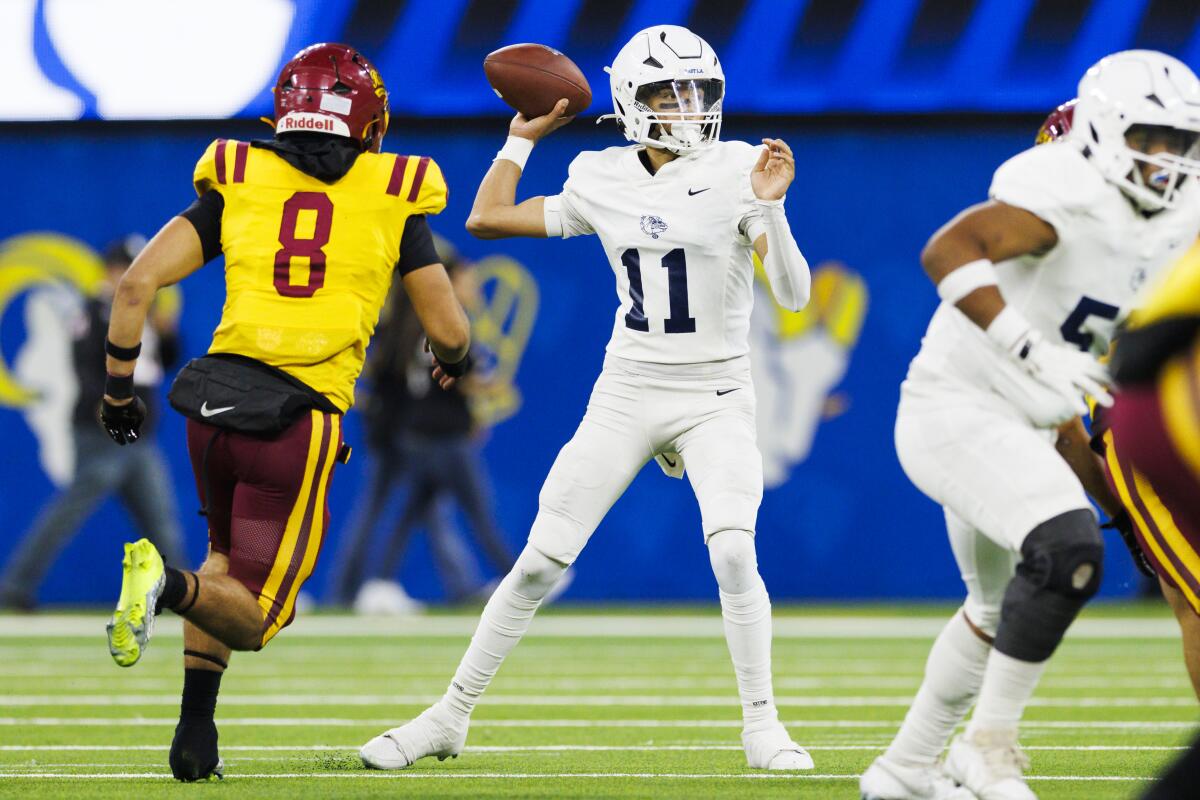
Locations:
(294, 245)
(675, 264)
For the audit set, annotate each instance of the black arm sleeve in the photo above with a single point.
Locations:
(416, 246)
(205, 216)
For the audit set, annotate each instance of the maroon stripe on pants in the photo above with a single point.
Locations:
(220, 159)
(397, 178)
(305, 531)
(239, 161)
(1152, 527)
(422, 165)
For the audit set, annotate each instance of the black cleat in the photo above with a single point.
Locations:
(194, 752)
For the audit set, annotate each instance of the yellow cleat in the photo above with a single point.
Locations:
(132, 623)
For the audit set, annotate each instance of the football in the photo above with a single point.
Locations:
(533, 77)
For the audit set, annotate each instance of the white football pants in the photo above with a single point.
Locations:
(703, 412)
(996, 476)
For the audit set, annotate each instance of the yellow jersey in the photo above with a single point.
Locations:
(308, 264)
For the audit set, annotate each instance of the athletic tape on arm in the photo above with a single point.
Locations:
(966, 279)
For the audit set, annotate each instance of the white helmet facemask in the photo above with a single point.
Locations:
(1135, 102)
(667, 87)
(681, 112)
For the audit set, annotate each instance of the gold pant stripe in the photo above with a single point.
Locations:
(316, 531)
(291, 534)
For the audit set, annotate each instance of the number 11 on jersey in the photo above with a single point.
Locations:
(675, 263)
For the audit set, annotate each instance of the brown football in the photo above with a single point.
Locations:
(533, 77)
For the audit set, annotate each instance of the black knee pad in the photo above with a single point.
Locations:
(1061, 567)
(1065, 554)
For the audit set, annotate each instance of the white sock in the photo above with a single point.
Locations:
(504, 621)
(747, 619)
(746, 610)
(954, 672)
(1007, 687)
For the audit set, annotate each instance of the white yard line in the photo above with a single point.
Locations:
(566, 700)
(648, 683)
(360, 775)
(601, 625)
(536, 748)
(1151, 726)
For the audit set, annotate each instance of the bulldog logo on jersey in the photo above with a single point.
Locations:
(652, 226)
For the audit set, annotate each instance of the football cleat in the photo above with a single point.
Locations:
(433, 733)
(773, 748)
(132, 624)
(887, 780)
(990, 763)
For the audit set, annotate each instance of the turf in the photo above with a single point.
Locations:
(635, 702)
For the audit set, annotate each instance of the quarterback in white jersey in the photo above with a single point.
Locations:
(679, 214)
(1033, 285)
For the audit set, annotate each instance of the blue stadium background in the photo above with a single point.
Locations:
(898, 111)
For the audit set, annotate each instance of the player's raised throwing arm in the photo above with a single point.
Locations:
(786, 267)
(496, 213)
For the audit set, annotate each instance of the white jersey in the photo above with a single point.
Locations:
(1078, 292)
(679, 242)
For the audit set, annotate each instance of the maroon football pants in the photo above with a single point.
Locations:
(267, 505)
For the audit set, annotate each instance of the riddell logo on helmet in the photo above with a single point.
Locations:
(305, 121)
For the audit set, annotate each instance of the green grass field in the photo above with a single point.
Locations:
(615, 702)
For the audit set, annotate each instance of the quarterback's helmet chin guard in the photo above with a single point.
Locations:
(334, 89)
(1147, 90)
(667, 87)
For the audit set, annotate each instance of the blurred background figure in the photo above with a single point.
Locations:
(426, 441)
(138, 476)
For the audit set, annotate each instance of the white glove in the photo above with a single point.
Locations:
(1068, 372)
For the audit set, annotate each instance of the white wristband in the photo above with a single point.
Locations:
(966, 279)
(1008, 328)
(516, 149)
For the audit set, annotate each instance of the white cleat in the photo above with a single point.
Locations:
(773, 748)
(990, 764)
(433, 733)
(385, 598)
(887, 780)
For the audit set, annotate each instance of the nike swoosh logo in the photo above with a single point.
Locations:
(693, 192)
(670, 463)
(205, 411)
(726, 391)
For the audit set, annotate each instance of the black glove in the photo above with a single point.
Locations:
(123, 423)
(1123, 525)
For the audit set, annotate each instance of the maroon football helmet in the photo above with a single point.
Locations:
(1057, 124)
(332, 88)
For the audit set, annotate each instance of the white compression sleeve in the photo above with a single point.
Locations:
(786, 267)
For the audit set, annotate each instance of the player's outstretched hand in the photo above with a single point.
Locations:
(773, 173)
(538, 127)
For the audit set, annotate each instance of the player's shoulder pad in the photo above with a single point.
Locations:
(223, 162)
(592, 162)
(1054, 175)
(741, 153)
(418, 182)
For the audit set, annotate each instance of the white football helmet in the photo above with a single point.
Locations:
(1137, 92)
(667, 86)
